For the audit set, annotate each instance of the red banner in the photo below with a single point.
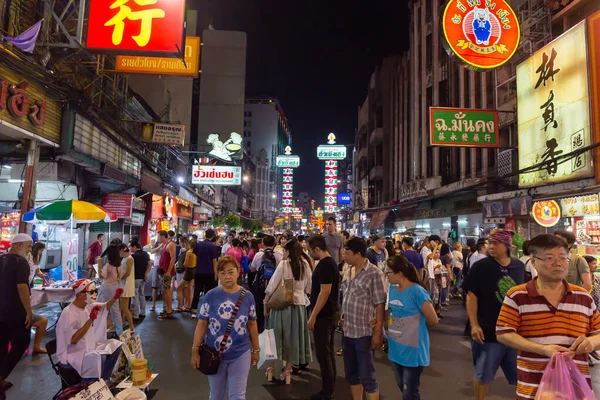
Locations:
(119, 203)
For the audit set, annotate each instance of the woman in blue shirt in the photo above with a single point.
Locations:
(410, 312)
(241, 349)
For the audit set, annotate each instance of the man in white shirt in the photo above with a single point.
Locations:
(481, 253)
(427, 254)
(227, 245)
(81, 342)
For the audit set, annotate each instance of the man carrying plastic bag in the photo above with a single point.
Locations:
(546, 316)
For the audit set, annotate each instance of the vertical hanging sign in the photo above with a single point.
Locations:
(330, 153)
(287, 202)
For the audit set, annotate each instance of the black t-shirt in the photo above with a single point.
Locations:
(14, 270)
(490, 281)
(140, 263)
(326, 273)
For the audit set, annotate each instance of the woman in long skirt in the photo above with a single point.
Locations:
(290, 324)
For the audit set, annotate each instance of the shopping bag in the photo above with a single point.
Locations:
(268, 348)
(562, 380)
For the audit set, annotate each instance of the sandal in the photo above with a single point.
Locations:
(177, 309)
(152, 308)
(269, 374)
(166, 316)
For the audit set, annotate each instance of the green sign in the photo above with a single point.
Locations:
(288, 161)
(463, 127)
(331, 152)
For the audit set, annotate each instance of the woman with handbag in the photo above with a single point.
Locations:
(286, 302)
(226, 336)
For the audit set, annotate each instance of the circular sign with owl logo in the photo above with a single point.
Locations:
(484, 34)
(546, 213)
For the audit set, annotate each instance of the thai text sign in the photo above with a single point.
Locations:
(164, 65)
(484, 34)
(331, 152)
(70, 259)
(580, 206)
(554, 111)
(288, 161)
(217, 175)
(26, 105)
(136, 26)
(463, 127)
(546, 213)
(119, 203)
(169, 134)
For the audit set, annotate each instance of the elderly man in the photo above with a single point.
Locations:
(81, 342)
(15, 307)
(548, 315)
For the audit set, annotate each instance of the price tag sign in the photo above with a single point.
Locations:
(70, 259)
(136, 347)
(96, 391)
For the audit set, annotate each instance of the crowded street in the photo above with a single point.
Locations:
(448, 378)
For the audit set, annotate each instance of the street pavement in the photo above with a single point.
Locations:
(167, 346)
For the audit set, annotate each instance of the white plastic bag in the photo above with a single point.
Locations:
(268, 348)
(131, 394)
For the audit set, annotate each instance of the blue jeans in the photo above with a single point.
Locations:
(359, 363)
(105, 293)
(490, 356)
(408, 379)
(108, 364)
(232, 375)
(139, 307)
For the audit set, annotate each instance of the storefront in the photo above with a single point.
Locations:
(511, 214)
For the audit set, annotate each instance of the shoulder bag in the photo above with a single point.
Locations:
(283, 296)
(210, 359)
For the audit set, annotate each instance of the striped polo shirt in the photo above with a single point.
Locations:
(529, 314)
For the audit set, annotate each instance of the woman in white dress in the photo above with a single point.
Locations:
(128, 284)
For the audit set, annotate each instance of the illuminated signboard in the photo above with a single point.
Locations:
(463, 127)
(287, 202)
(344, 198)
(288, 161)
(164, 65)
(216, 175)
(331, 152)
(546, 213)
(553, 106)
(483, 34)
(136, 26)
(331, 174)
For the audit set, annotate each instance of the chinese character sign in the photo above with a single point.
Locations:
(331, 174)
(287, 201)
(554, 111)
(463, 127)
(484, 34)
(147, 26)
(546, 213)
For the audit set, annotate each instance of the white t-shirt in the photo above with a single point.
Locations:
(457, 259)
(526, 260)
(86, 355)
(258, 257)
(425, 252)
(301, 287)
(226, 247)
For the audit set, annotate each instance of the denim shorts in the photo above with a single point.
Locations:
(487, 357)
(359, 363)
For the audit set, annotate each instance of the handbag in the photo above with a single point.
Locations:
(283, 296)
(210, 359)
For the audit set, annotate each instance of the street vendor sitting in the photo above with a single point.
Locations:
(81, 342)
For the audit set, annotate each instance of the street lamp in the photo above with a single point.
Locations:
(273, 196)
(245, 178)
(180, 179)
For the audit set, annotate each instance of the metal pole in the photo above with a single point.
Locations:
(80, 20)
(33, 155)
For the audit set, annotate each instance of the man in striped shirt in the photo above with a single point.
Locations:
(548, 315)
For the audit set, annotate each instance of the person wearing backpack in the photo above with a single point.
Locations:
(263, 264)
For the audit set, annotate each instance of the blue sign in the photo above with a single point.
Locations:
(344, 198)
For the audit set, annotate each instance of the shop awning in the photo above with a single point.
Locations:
(378, 218)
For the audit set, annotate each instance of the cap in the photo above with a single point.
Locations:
(21, 237)
(376, 237)
(501, 236)
(84, 285)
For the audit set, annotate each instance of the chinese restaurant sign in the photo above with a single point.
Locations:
(163, 65)
(594, 46)
(169, 134)
(463, 127)
(546, 213)
(484, 34)
(136, 26)
(288, 161)
(554, 111)
(216, 175)
(580, 206)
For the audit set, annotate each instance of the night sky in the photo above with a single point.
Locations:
(316, 57)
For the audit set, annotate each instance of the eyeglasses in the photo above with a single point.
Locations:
(388, 272)
(554, 260)
(92, 292)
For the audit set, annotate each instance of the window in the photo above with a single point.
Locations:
(245, 123)
(249, 124)
(249, 133)
(250, 114)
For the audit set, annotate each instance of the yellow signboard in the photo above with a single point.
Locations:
(554, 111)
(164, 65)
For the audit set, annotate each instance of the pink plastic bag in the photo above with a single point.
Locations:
(562, 380)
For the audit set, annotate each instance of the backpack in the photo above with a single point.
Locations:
(265, 270)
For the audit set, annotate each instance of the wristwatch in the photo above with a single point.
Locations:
(255, 351)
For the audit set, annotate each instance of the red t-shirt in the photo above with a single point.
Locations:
(95, 252)
(165, 258)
